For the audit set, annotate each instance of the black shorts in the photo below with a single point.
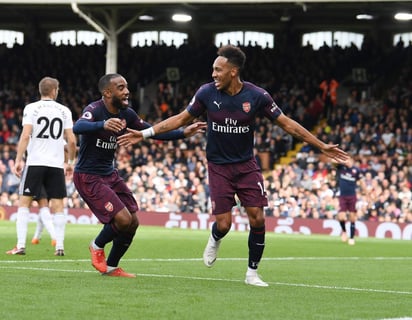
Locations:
(43, 182)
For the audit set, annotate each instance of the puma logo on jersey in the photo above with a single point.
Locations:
(217, 104)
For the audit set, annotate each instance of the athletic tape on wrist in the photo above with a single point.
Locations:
(147, 133)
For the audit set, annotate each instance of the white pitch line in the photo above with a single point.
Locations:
(220, 259)
(283, 284)
(314, 286)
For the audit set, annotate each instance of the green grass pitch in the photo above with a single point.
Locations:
(310, 277)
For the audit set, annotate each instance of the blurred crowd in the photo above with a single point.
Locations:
(370, 117)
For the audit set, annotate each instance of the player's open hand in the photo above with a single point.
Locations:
(194, 128)
(130, 138)
(333, 152)
(114, 124)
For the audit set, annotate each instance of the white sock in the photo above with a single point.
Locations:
(59, 226)
(47, 219)
(95, 247)
(39, 228)
(251, 272)
(22, 222)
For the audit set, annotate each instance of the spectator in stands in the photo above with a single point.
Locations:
(329, 87)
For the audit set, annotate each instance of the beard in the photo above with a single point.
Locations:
(117, 103)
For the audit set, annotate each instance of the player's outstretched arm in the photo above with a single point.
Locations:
(292, 127)
(134, 136)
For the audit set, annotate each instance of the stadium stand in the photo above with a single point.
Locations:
(372, 121)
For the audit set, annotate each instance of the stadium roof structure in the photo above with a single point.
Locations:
(208, 15)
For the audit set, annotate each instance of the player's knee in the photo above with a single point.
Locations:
(123, 221)
(224, 226)
(256, 217)
(257, 222)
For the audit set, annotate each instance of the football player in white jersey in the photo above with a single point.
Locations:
(46, 126)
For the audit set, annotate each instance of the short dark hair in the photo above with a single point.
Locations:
(105, 81)
(233, 54)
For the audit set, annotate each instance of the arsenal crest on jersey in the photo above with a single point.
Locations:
(246, 106)
(108, 206)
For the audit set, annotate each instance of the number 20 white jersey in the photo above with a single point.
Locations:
(49, 120)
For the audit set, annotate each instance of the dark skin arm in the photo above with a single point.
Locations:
(135, 136)
(292, 127)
